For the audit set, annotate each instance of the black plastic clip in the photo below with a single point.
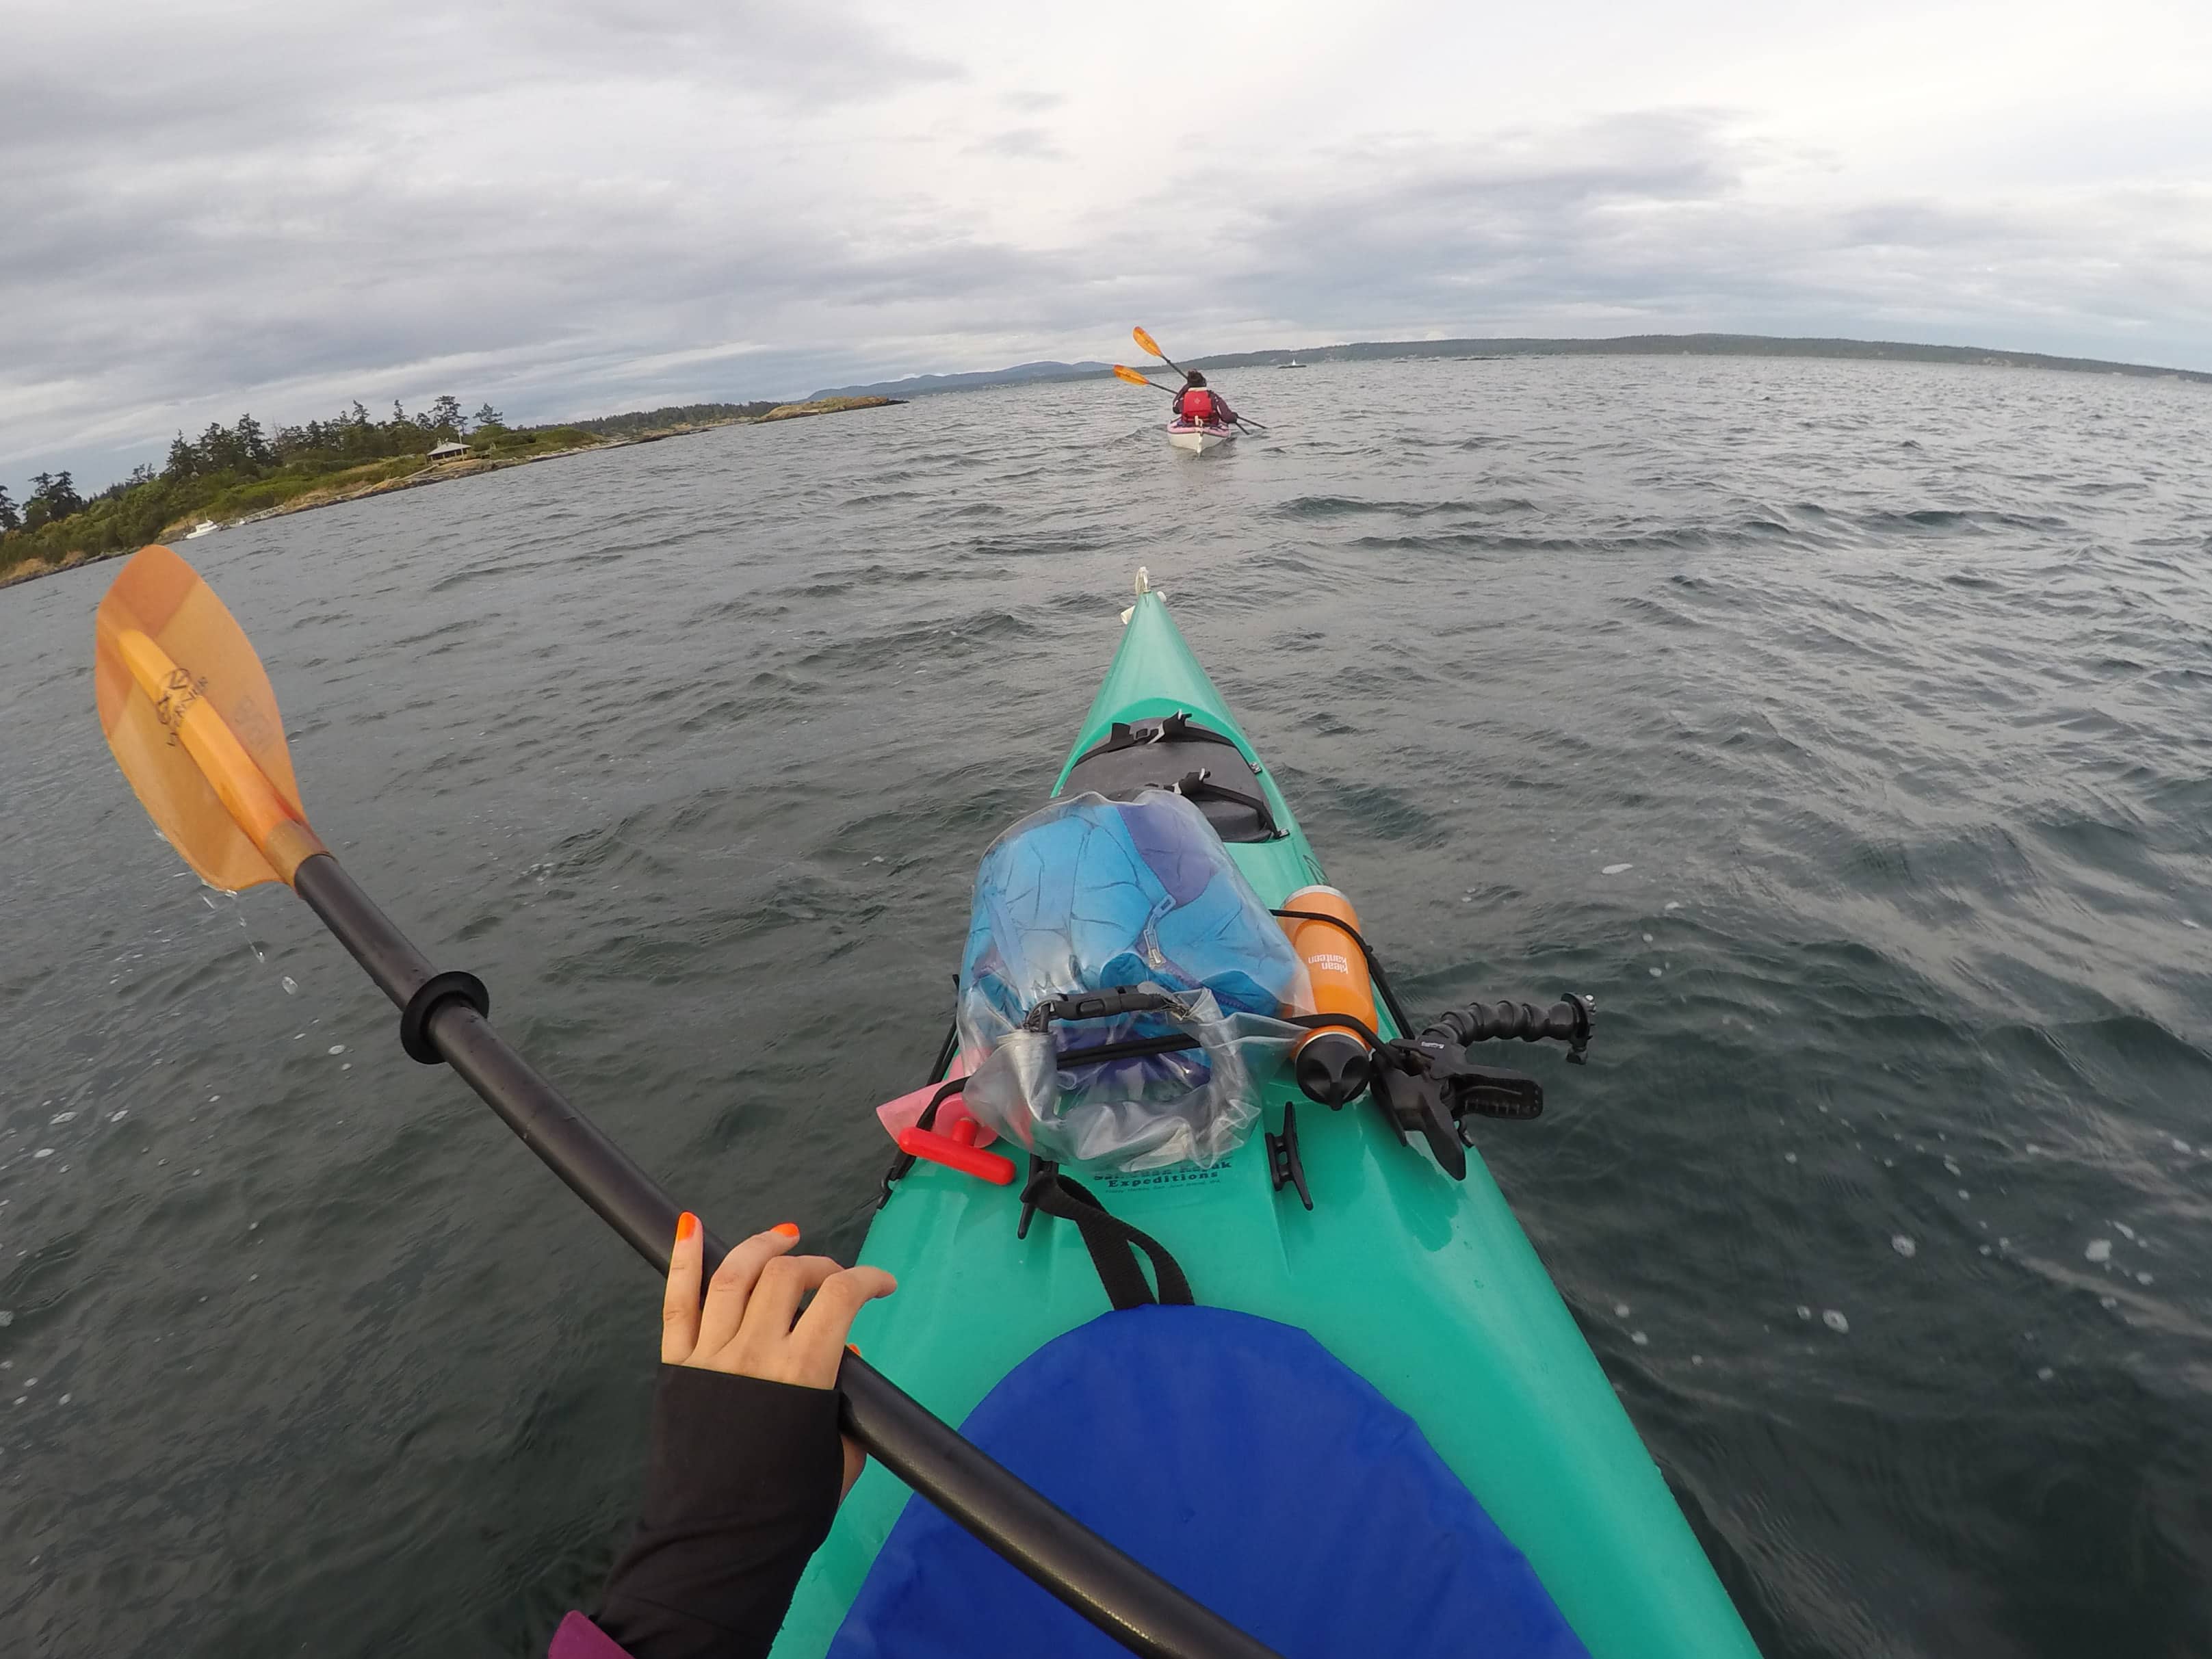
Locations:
(1411, 1096)
(1038, 1166)
(1284, 1163)
(1097, 1005)
(454, 985)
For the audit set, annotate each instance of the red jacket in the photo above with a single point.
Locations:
(1197, 403)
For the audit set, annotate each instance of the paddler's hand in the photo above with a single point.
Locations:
(750, 1324)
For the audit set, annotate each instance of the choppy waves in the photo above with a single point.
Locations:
(1841, 726)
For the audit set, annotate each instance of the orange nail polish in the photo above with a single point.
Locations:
(686, 1225)
(788, 1229)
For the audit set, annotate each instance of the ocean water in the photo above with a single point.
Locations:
(1846, 728)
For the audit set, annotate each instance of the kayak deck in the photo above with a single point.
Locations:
(1426, 1287)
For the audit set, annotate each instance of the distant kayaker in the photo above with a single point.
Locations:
(1198, 402)
(746, 1466)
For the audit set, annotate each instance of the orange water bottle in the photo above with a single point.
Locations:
(1331, 1065)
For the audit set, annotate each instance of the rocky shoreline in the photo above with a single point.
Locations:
(433, 472)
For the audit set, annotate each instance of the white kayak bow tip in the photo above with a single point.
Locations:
(1143, 586)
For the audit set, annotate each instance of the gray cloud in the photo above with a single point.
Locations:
(568, 207)
(1018, 144)
(1656, 221)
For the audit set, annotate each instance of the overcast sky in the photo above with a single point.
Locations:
(571, 207)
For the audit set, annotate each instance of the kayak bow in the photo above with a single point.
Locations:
(1425, 1288)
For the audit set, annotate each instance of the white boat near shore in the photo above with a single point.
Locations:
(204, 527)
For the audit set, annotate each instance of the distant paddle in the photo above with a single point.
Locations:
(1136, 377)
(1154, 346)
(188, 710)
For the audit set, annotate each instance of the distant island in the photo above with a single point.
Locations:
(916, 385)
(1626, 345)
(236, 475)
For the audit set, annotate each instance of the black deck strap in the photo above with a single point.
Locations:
(902, 1160)
(945, 1091)
(1178, 728)
(951, 1046)
(1352, 1023)
(454, 985)
(1112, 1242)
(1108, 1003)
(1132, 1048)
(1374, 962)
(1200, 786)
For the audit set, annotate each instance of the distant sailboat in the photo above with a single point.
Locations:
(1293, 363)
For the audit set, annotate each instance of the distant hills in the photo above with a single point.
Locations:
(1626, 345)
(918, 386)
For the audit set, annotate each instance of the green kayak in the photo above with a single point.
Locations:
(1422, 1285)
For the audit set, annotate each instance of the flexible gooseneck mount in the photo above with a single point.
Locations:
(1567, 1021)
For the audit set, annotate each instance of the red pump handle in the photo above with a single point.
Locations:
(958, 1151)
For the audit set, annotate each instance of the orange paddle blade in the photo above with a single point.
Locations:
(1133, 376)
(188, 710)
(1147, 343)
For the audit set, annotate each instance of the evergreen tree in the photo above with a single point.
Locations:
(253, 447)
(216, 446)
(58, 494)
(37, 509)
(195, 470)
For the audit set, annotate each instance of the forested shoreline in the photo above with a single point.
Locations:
(230, 472)
(233, 473)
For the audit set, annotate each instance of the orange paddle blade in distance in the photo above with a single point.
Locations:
(189, 712)
(1147, 343)
(1135, 377)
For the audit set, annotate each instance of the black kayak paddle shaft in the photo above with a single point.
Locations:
(1128, 1602)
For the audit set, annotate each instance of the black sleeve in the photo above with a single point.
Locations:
(742, 1483)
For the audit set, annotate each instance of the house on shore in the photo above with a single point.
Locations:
(451, 450)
